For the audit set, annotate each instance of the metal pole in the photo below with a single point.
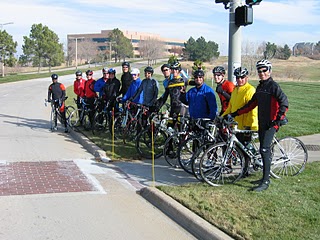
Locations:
(76, 53)
(2, 24)
(234, 59)
(2, 60)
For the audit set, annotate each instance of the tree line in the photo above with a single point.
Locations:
(42, 48)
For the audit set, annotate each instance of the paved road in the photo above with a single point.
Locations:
(50, 186)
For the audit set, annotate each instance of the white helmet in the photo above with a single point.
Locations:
(264, 63)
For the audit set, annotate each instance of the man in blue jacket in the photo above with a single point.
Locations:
(98, 86)
(201, 98)
(135, 84)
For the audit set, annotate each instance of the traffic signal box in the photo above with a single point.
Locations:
(243, 16)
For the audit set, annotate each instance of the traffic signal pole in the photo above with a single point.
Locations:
(235, 38)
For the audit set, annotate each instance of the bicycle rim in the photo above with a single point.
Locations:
(170, 152)
(144, 143)
(186, 151)
(220, 165)
(288, 159)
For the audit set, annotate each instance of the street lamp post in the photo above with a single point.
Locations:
(76, 38)
(2, 60)
(110, 49)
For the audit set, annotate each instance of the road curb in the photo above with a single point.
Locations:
(98, 153)
(194, 224)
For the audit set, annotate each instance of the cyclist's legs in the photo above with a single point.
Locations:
(63, 114)
(265, 138)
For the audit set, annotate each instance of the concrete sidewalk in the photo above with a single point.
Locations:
(139, 175)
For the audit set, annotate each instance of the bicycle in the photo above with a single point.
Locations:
(227, 162)
(55, 114)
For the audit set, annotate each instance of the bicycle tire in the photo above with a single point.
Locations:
(144, 143)
(86, 123)
(130, 132)
(72, 116)
(196, 158)
(221, 165)
(170, 153)
(185, 152)
(100, 122)
(292, 161)
(118, 127)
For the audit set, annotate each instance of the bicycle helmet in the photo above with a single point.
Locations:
(54, 76)
(198, 73)
(264, 63)
(89, 72)
(219, 69)
(78, 73)
(149, 69)
(166, 65)
(126, 64)
(176, 65)
(112, 70)
(240, 72)
(105, 70)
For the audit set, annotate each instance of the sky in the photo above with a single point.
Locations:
(276, 21)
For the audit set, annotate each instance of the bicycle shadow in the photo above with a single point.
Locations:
(147, 174)
(33, 123)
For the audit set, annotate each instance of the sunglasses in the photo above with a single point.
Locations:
(165, 70)
(89, 74)
(262, 71)
(237, 77)
(133, 75)
(78, 75)
(217, 74)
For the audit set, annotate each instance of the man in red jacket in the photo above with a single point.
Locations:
(78, 87)
(224, 87)
(89, 93)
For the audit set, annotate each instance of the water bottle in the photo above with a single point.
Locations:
(170, 130)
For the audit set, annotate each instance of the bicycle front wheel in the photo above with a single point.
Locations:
(289, 157)
(221, 164)
(144, 144)
(72, 116)
(170, 150)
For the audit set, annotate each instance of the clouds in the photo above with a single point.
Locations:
(278, 21)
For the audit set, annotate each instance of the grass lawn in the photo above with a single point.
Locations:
(289, 209)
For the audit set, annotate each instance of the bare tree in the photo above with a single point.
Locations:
(251, 53)
(152, 49)
(87, 50)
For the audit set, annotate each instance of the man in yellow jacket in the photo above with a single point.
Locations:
(239, 97)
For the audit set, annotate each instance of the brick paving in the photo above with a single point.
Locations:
(23, 178)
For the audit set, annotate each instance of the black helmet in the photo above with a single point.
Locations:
(112, 70)
(126, 64)
(240, 72)
(149, 69)
(89, 72)
(166, 65)
(78, 73)
(176, 65)
(54, 76)
(198, 73)
(219, 69)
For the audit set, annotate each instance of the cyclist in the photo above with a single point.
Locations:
(272, 106)
(111, 90)
(224, 87)
(165, 69)
(78, 87)
(239, 97)
(201, 98)
(89, 93)
(57, 94)
(150, 89)
(98, 86)
(126, 78)
(135, 72)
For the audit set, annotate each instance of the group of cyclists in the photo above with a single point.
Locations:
(262, 109)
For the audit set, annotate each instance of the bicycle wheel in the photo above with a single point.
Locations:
(144, 143)
(72, 116)
(86, 123)
(99, 122)
(196, 158)
(118, 126)
(131, 130)
(289, 157)
(186, 151)
(221, 165)
(170, 150)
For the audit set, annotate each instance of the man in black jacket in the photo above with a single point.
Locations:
(126, 78)
(272, 106)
